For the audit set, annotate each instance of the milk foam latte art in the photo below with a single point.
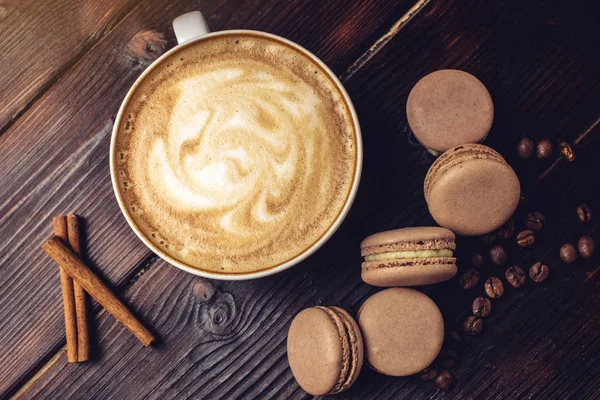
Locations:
(235, 156)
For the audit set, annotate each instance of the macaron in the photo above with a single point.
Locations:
(325, 350)
(448, 108)
(471, 190)
(403, 331)
(408, 257)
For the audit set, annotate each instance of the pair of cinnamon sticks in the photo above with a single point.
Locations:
(77, 279)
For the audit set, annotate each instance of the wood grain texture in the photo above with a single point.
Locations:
(39, 43)
(224, 339)
(55, 156)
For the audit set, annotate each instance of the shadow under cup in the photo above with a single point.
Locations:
(236, 155)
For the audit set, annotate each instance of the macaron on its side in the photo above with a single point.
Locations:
(409, 257)
(403, 331)
(471, 190)
(324, 350)
(356, 349)
(448, 108)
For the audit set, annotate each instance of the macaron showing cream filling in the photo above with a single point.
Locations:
(409, 257)
(471, 190)
(403, 331)
(448, 108)
(325, 350)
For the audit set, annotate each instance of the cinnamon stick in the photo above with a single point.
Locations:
(80, 272)
(83, 337)
(68, 294)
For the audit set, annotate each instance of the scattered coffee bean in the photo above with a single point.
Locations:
(586, 247)
(494, 287)
(444, 380)
(473, 325)
(429, 373)
(446, 359)
(489, 238)
(568, 253)
(477, 259)
(525, 238)
(566, 151)
(584, 213)
(525, 148)
(498, 255)
(507, 230)
(544, 149)
(535, 220)
(515, 276)
(482, 307)
(539, 272)
(469, 279)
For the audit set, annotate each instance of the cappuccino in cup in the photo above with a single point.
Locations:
(235, 154)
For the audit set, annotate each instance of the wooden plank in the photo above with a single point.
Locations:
(39, 43)
(55, 157)
(227, 339)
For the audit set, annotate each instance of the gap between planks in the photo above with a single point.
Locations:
(385, 39)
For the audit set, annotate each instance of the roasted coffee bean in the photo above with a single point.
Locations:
(446, 359)
(469, 279)
(477, 259)
(539, 272)
(525, 238)
(544, 149)
(507, 230)
(535, 221)
(489, 238)
(482, 307)
(429, 373)
(566, 151)
(498, 255)
(525, 148)
(444, 380)
(586, 247)
(584, 213)
(515, 276)
(494, 287)
(473, 325)
(568, 253)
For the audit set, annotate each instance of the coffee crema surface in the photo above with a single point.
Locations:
(235, 154)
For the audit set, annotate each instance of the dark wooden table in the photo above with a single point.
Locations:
(66, 65)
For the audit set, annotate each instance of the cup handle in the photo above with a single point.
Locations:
(190, 26)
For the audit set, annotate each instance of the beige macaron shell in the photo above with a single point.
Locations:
(403, 331)
(474, 197)
(422, 271)
(315, 351)
(448, 108)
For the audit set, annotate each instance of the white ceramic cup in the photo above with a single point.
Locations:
(190, 30)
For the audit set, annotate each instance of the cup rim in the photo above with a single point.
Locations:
(308, 251)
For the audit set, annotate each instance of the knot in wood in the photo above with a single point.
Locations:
(217, 314)
(147, 46)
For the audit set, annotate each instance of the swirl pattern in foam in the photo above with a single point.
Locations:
(236, 154)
